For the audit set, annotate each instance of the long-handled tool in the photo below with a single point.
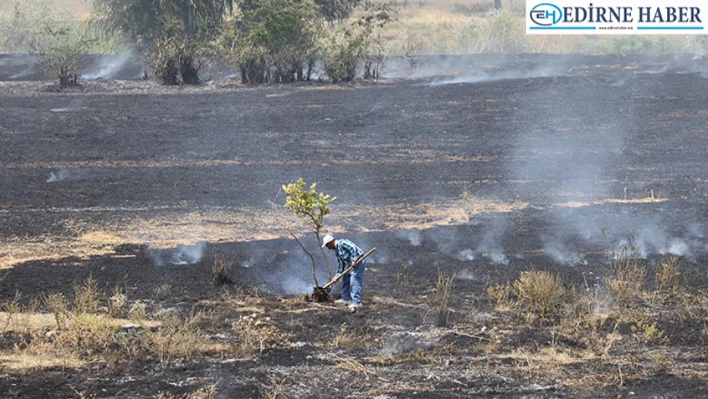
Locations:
(350, 268)
(321, 294)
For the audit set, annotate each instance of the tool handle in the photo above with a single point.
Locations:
(337, 277)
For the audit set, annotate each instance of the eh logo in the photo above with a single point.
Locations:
(546, 14)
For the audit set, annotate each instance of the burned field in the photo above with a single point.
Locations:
(132, 193)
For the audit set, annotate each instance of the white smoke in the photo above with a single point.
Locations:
(465, 274)
(281, 94)
(482, 76)
(64, 109)
(108, 67)
(295, 286)
(466, 255)
(73, 105)
(696, 230)
(491, 244)
(413, 236)
(181, 255)
(62, 174)
(25, 72)
(555, 249)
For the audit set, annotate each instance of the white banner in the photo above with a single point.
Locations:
(617, 17)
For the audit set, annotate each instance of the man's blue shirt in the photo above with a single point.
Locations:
(347, 252)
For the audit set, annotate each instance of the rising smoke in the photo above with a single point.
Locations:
(61, 175)
(108, 67)
(181, 255)
(413, 236)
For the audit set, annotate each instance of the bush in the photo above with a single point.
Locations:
(86, 335)
(336, 10)
(648, 333)
(58, 305)
(627, 275)
(631, 44)
(176, 338)
(87, 296)
(499, 295)
(506, 32)
(342, 51)
(62, 51)
(276, 41)
(499, 31)
(12, 309)
(668, 276)
(24, 21)
(175, 57)
(219, 269)
(118, 304)
(540, 293)
(350, 44)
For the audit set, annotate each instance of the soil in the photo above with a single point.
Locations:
(483, 167)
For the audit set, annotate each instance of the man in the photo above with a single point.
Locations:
(353, 282)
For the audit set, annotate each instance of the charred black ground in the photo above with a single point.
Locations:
(580, 143)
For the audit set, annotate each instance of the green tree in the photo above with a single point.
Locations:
(142, 21)
(21, 23)
(311, 207)
(337, 10)
(172, 32)
(275, 41)
(355, 42)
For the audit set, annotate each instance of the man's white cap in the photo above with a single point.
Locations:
(327, 239)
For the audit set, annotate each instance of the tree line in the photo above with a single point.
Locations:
(269, 41)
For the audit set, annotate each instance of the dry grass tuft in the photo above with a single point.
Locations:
(256, 335)
(648, 333)
(349, 364)
(468, 206)
(668, 275)
(176, 338)
(86, 335)
(201, 393)
(10, 311)
(274, 390)
(499, 295)
(443, 287)
(346, 338)
(540, 293)
(118, 303)
(87, 296)
(219, 269)
(58, 305)
(627, 275)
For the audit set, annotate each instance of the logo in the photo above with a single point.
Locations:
(613, 17)
(546, 14)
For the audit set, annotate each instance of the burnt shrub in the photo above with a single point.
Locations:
(175, 57)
